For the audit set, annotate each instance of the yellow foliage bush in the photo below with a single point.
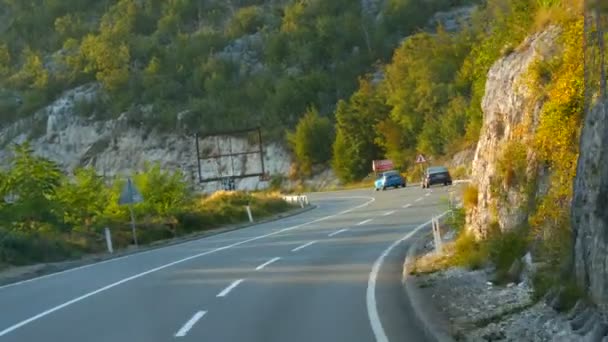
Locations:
(470, 196)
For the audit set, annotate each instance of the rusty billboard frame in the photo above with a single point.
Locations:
(201, 156)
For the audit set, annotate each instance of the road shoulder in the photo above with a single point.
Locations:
(461, 304)
(433, 322)
(24, 273)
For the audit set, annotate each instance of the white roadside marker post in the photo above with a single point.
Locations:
(437, 235)
(249, 213)
(109, 240)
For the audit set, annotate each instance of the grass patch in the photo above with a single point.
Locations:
(468, 252)
(460, 172)
(501, 249)
(432, 262)
(504, 249)
(229, 207)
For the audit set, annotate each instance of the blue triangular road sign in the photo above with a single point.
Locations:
(130, 194)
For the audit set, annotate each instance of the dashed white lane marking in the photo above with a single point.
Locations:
(303, 246)
(372, 307)
(419, 199)
(364, 222)
(389, 213)
(177, 262)
(184, 330)
(230, 287)
(338, 232)
(428, 194)
(407, 206)
(267, 263)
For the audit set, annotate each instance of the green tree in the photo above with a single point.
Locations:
(355, 145)
(165, 194)
(108, 61)
(5, 60)
(246, 20)
(311, 141)
(69, 26)
(33, 74)
(83, 199)
(32, 183)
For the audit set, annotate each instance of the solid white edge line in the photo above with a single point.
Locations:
(139, 275)
(303, 246)
(184, 330)
(267, 263)
(338, 232)
(370, 297)
(230, 287)
(364, 222)
(172, 246)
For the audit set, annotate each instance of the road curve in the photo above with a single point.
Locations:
(331, 274)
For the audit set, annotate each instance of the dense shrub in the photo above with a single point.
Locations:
(50, 217)
(470, 196)
(311, 141)
(468, 252)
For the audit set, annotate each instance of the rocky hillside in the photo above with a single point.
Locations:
(118, 148)
(511, 112)
(525, 164)
(589, 215)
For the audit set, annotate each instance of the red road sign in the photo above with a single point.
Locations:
(382, 165)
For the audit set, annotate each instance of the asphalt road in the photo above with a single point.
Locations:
(331, 274)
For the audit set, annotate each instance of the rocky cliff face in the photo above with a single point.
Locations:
(511, 112)
(115, 148)
(589, 211)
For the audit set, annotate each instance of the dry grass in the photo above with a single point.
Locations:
(468, 252)
(554, 11)
(432, 262)
(470, 196)
(460, 172)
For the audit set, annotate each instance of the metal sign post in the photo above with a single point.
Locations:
(129, 196)
(133, 226)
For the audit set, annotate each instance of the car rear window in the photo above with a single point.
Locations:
(437, 169)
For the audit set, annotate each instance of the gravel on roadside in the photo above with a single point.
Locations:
(479, 310)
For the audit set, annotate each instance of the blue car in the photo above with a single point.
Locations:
(390, 179)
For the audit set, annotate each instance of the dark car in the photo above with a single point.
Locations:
(436, 175)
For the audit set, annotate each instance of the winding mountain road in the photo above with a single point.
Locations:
(330, 274)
